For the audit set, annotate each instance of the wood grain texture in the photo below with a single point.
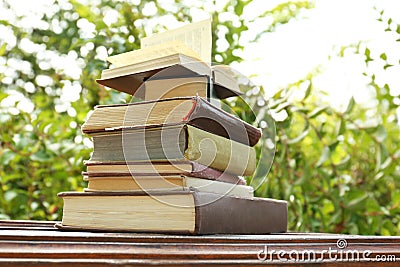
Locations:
(34, 243)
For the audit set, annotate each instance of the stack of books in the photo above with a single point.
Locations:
(173, 162)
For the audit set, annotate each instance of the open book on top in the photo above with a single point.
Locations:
(130, 78)
(183, 52)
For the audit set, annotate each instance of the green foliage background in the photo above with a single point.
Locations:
(339, 170)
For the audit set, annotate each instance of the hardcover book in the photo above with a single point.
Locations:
(172, 212)
(176, 143)
(168, 183)
(162, 168)
(129, 78)
(183, 110)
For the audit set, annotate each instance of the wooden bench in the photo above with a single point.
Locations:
(38, 243)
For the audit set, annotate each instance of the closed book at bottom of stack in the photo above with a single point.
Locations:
(172, 212)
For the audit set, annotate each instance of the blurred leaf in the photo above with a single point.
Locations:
(357, 198)
(324, 156)
(41, 156)
(387, 66)
(341, 127)
(380, 134)
(308, 90)
(350, 106)
(367, 54)
(3, 49)
(333, 146)
(317, 111)
(239, 7)
(299, 137)
(10, 195)
(6, 156)
(344, 164)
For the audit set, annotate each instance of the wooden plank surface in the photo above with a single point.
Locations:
(38, 243)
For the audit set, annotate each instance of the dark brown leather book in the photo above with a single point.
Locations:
(189, 212)
(194, 111)
(162, 168)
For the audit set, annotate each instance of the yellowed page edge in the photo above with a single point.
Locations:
(196, 36)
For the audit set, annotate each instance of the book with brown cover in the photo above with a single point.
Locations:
(189, 212)
(159, 168)
(194, 111)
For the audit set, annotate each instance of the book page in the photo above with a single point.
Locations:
(153, 52)
(196, 36)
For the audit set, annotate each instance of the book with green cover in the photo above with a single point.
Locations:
(174, 142)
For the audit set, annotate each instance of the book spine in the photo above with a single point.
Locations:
(233, 215)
